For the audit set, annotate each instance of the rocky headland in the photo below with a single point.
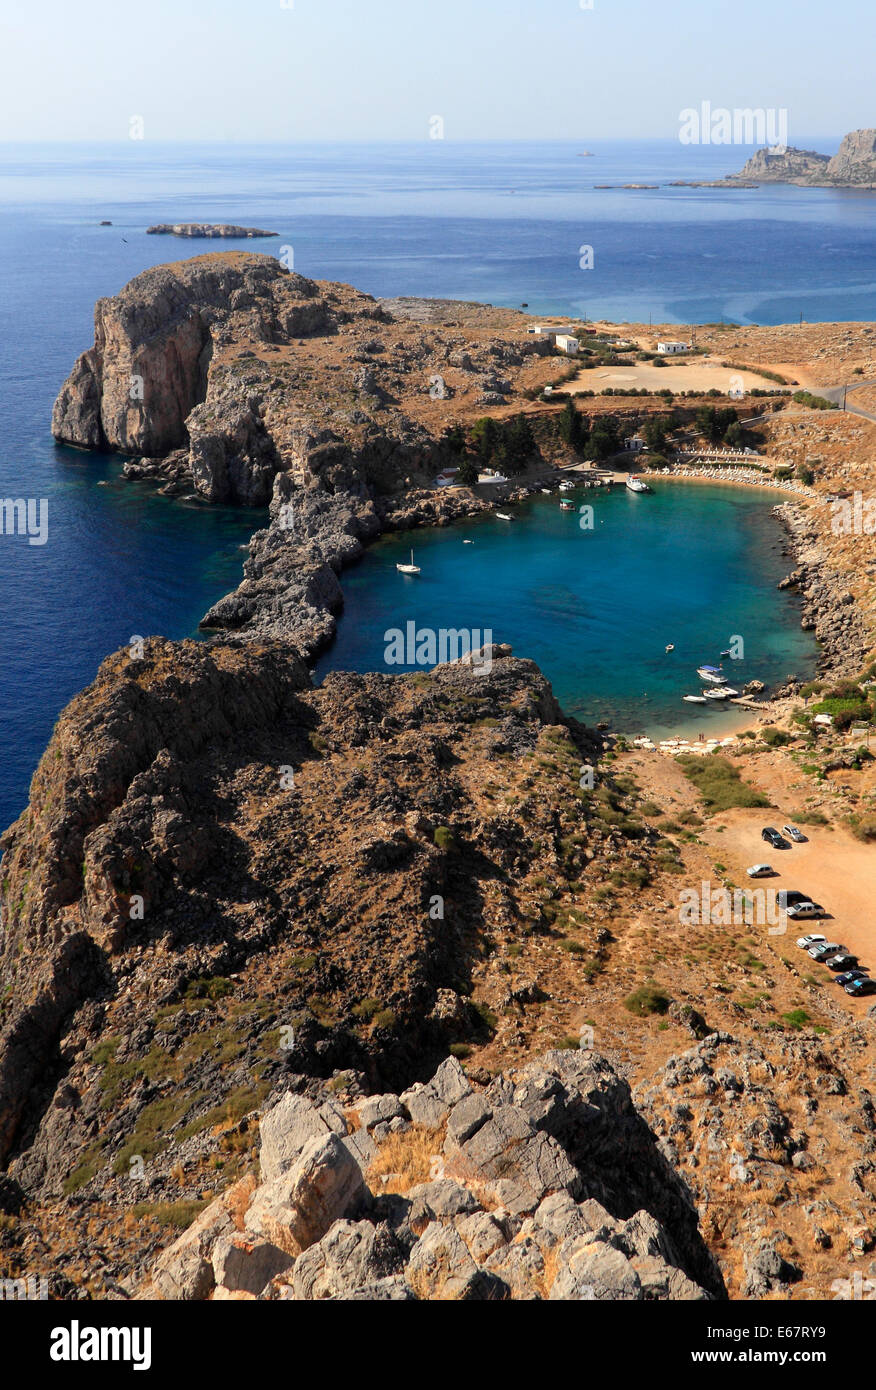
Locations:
(853, 165)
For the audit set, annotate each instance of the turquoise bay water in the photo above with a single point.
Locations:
(695, 565)
(498, 222)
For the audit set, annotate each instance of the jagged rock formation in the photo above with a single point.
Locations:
(853, 166)
(205, 229)
(542, 1185)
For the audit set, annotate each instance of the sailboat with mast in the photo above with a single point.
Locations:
(409, 569)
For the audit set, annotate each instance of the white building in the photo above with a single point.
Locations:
(567, 343)
(669, 348)
(543, 330)
(635, 443)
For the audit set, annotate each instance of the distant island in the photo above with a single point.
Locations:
(853, 166)
(205, 229)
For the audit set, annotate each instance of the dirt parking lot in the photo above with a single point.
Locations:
(700, 374)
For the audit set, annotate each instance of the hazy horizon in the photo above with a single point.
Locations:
(339, 71)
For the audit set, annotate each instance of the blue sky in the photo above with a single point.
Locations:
(250, 70)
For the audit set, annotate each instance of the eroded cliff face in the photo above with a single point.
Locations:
(855, 160)
(154, 342)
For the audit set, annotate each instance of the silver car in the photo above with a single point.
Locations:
(794, 834)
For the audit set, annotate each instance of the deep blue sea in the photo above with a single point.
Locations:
(501, 223)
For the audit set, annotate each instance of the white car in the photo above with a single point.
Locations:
(760, 871)
(797, 910)
(794, 834)
(815, 939)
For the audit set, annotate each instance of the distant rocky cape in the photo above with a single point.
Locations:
(853, 166)
(205, 229)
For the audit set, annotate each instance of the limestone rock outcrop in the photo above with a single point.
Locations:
(544, 1184)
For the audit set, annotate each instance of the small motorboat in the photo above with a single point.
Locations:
(546, 491)
(718, 693)
(635, 484)
(409, 569)
(504, 516)
(566, 505)
(670, 646)
(468, 542)
(694, 699)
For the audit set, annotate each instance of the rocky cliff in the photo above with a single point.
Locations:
(225, 876)
(854, 164)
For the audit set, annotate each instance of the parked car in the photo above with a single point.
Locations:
(864, 986)
(841, 962)
(794, 834)
(772, 836)
(804, 910)
(760, 871)
(828, 948)
(814, 939)
(849, 975)
(786, 897)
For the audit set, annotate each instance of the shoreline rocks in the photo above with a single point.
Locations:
(829, 609)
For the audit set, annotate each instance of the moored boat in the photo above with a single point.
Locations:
(694, 699)
(409, 569)
(635, 484)
(504, 516)
(713, 674)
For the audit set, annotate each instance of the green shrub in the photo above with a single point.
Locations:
(646, 1000)
(719, 783)
(444, 838)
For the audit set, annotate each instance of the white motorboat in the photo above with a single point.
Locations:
(670, 646)
(694, 699)
(635, 484)
(716, 693)
(545, 490)
(713, 674)
(566, 486)
(504, 516)
(468, 542)
(566, 505)
(409, 569)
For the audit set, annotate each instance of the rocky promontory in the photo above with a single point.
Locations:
(853, 166)
(205, 229)
(232, 378)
